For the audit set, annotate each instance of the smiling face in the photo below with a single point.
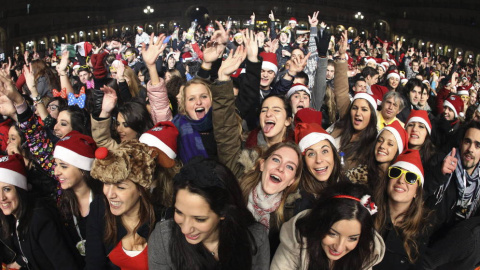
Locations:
(278, 170)
(9, 200)
(52, 109)
(197, 101)
(14, 137)
(68, 175)
(123, 198)
(273, 118)
(266, 78)
(319, 159)
(448, 113)
(470, 149)
(299, 100)
(124, 131)
(360, 114)
(63, 125)
(386, 147)
(393, 82)
(197, 221)
(400, 192)
(342, 238)
(417, 132)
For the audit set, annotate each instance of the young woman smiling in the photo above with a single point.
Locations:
(355, 132)
(211, 228)
(74, 155)
(403, 221)
(339, 232)
(31, 230)
(121, 222)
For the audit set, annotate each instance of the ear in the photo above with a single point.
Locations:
(288, 122)
(262, 164)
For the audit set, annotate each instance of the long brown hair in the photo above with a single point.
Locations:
(133, 82)
(251, 178)
(411, 224)
(40, 69)
(146, 214)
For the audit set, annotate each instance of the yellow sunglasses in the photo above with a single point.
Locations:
(410, 177)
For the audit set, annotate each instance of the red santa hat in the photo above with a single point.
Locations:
(383, 67)
(187, 57)
(12, 170)
(367, 97)
(140, 27)
(269, 61)
(298, 87)
(370, 59)
(76, 65)
(163, 136)
(463, 91)
(403, 81)
(420, 116)
(410, 160)
(292, 20)
(399, 133)
(308, 134)
(455, 103)
(393, 74)
(308, 115)
(76, 149)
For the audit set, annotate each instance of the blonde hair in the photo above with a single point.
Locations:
(251, 178)
(183, 92)
(133, 81)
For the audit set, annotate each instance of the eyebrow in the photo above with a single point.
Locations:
(340, 233)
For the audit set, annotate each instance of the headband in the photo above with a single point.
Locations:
(366, 201)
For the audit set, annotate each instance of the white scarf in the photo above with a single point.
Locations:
(262, 204)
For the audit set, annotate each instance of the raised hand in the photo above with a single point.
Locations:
(30, 80)
(271, 16)
(313, 20)
(343, 44)
(151, 54)
(109, 101)
(450, 162)
(6, 106)
(220, 36)
(62, 66)
(251, 44)
(252, 18)
(25, 56)
(232, 63)
(298, 64)
(212, 51)
(7, 88)
(120, 68)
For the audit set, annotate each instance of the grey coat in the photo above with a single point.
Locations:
(159, 247)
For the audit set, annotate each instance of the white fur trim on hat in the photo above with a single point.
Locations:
(409, 167)
(298, 88)
(450, 105)
(13, 178)
(396, 135)
(371, 60)
(404, 81)
(269, 66)
(292, 21)
(73, 158)
(426, 82)
(463, 93)
(314, 138)
(420, 120)
(367, 97)
(393, 74)
(153, 141)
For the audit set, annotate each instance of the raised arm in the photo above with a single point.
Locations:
(341, 77)
(62, 72)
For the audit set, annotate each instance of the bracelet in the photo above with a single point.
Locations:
(38, 102)
(290, 74)
(37, 98)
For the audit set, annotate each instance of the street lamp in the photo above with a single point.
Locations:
(148, 10)
(359, 16)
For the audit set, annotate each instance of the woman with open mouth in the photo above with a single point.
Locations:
(355, 132)
(121, 221)
(403, 220)
(336, 234)
(212, 227)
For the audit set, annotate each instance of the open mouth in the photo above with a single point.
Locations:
(334, 253)
(192, 237)
(299, 107)
(399, 189)
(115, 205)
(275, 179)
(357, 121)
(321, 170)
(381, 153)
(200, 112)
(269, 125)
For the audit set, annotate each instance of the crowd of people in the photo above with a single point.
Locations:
(225, 148)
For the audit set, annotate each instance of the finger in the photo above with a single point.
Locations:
(454, 151)
(220, 26)
(309, 18)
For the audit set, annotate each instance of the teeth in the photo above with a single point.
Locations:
(415, 136)
(382, 153)
(200, 109)
(115, 203)
(320, 169)
(400, 189)
(269, 122)
(5, 204)
(275, 177)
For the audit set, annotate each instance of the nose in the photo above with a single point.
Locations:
(55, 128)
(319, 159)
(3, 197)
(268, 113)
(109, 191)
(57, 171)
(187, 227)
(340, 245)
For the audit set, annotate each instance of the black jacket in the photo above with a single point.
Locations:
(96, 249)
(45, 245)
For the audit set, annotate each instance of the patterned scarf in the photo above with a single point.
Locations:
(262, 204)
(189, 141)
(467, 189)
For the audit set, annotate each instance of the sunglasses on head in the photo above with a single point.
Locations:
(410, 177)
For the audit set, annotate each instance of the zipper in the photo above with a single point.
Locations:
(14, 253)
(20, 245)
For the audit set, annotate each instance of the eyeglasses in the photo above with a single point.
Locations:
(127, 55)
(465, 98)
(52, 107)
(410, 177)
